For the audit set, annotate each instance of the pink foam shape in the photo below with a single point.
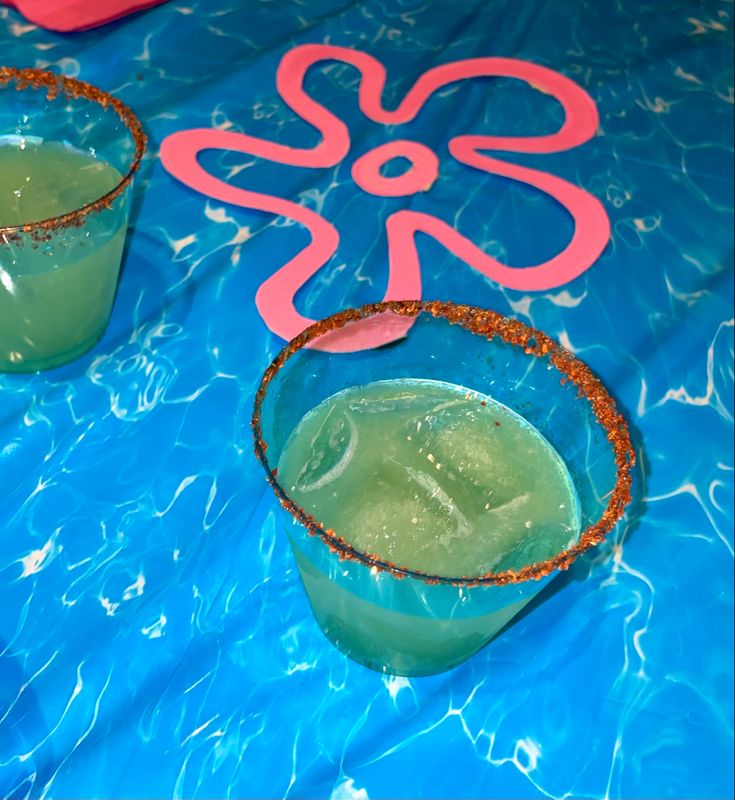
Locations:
(179, 156)
(334, 146)
(581, 118)
(66, 16)
(365, 334)
(275, 297)
(591, 225)
(419, 178)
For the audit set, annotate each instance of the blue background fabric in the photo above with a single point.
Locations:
(155, 640)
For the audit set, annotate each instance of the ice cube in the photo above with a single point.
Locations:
(434, 499)
(332, 449)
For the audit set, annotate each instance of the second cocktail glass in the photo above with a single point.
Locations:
(391, 617)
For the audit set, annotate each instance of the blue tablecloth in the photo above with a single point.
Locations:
(155, 640)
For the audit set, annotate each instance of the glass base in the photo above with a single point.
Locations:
(393, 642)
(53, 360)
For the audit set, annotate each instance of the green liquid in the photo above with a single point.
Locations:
(395, 638)
(55, 295)
(436, 478)
(424, 475)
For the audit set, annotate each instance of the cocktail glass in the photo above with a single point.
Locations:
(58, 276)
(391, 617)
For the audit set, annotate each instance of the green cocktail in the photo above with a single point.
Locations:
(55, 303)
(431, 476)
(434, 486)
(67, 156)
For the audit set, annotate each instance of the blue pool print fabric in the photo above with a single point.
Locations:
(155, 640)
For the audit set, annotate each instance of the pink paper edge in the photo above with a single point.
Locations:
(76, 15)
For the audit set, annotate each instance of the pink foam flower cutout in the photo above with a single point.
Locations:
(275, 297)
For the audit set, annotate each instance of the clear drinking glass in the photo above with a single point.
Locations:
(58, 276)
(389, 617)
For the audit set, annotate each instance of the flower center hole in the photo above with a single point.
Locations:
(394, 167)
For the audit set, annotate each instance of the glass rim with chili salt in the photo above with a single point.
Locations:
(488, 324)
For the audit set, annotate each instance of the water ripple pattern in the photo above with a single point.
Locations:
(154, 637)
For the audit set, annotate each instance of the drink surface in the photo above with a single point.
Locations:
(431, 476)
(42, 180)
